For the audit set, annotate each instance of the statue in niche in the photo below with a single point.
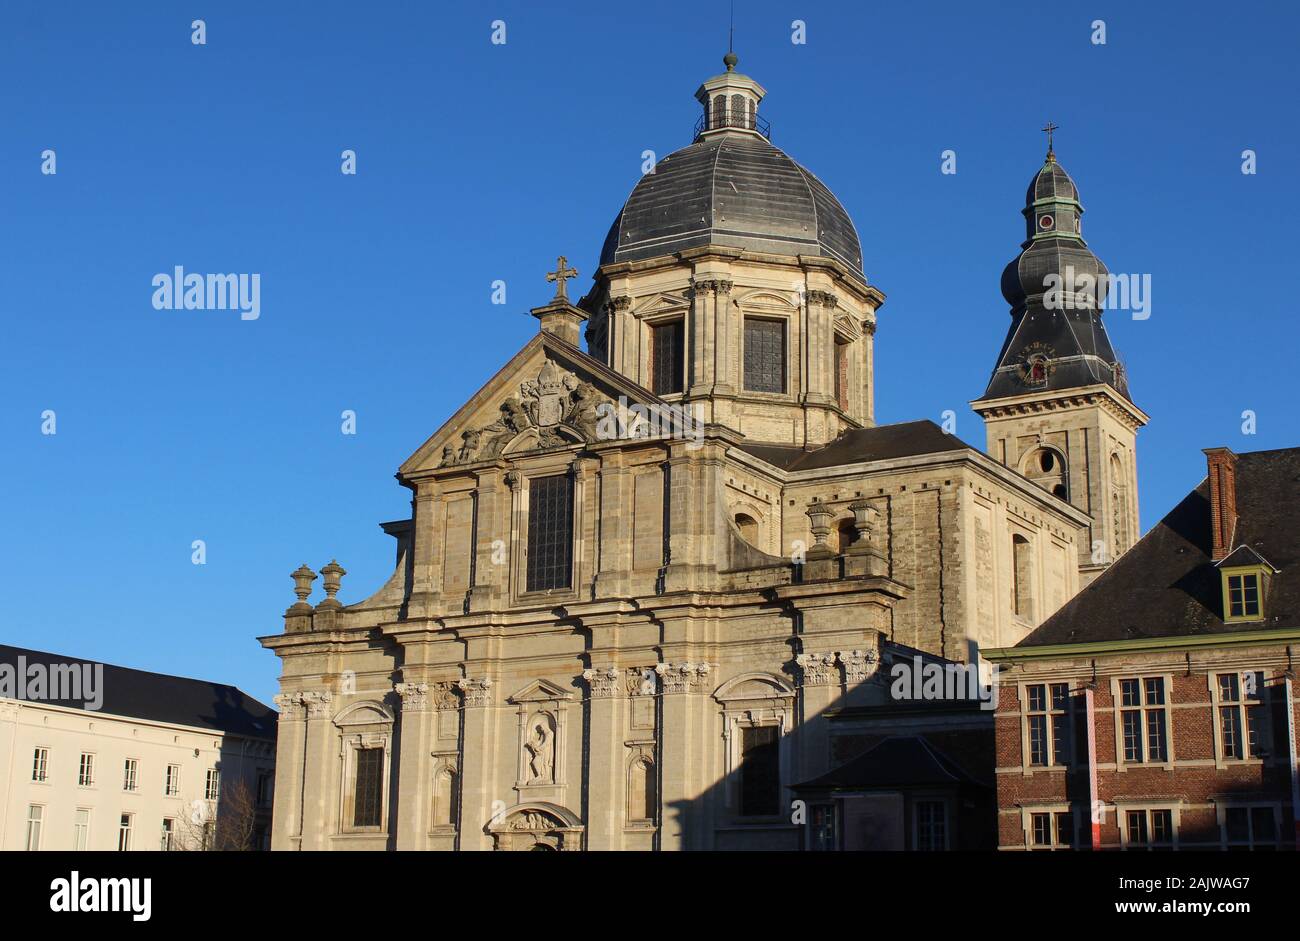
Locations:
(540, 751)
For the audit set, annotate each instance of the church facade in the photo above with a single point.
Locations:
(637, 580)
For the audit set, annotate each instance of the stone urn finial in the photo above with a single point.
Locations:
(333, 575)
(819, 515)
(302, 579)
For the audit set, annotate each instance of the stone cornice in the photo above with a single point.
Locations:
(1036, 403)
(1019, 485)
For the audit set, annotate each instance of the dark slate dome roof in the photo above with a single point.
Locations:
(737, 190)
(1051, 182)
(1025, 278)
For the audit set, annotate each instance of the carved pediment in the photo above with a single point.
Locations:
(662, 302)
(542, 690)
(549, 396)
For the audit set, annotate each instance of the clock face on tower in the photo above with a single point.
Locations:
(1036, 364)
(1046, 221)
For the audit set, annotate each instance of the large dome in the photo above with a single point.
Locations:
(732, 189)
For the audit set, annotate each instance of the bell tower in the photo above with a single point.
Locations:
(1057, 408)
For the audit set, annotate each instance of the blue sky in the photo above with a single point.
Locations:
(479, 162)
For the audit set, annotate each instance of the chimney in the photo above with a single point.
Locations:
(1222, 465)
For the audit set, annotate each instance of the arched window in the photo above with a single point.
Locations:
(1022, 578)
(738, 110)
(719, 111)
(748, 527)
(1046, 467)
(1119, 506)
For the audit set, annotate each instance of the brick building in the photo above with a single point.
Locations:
(1157, 708)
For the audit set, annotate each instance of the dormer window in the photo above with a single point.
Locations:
(1244, 574)
(1243, 595)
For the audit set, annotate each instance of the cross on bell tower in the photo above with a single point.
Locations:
(1050, 128)
(561, 274)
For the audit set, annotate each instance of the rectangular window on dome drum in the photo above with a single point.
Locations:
(550, 532)
(764, 355)
(667, 357)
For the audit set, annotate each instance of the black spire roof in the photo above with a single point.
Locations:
(1056, 288)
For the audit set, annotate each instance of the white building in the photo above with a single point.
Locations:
(100, 757)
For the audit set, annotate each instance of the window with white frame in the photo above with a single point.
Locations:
(81, 829)
(1047, 723)
(86, 770)
(172, 783)
(930, 825)
(40, 764)
(124, 832)
(1052, 829)
(35, 821)
(212, 785)
(130, 774)
(1240, 715)
(1250, 826)
(1144, 720)
(168, 834)
(1148, 828)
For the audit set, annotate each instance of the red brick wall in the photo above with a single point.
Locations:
(1193, 782)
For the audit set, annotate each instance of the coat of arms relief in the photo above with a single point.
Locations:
(556, 406)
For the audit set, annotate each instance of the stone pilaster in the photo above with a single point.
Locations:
(681, 747)
(416, 730)
(314, 793)
(724, 378)
(430, 519)
(491, 541)
(821, 348)
(819, 689)
(478, 764)
(699, 381)
(605, 688)
(621, 332)
(291, 739)
(615, 525)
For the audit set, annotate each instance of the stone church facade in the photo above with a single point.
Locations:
(637, 579)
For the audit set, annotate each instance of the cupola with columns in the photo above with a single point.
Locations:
(732, 280)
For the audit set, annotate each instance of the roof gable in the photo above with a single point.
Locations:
(548, 395)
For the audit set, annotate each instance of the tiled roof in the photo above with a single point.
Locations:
(880, 443)
(158, 697)
(1167, 585)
